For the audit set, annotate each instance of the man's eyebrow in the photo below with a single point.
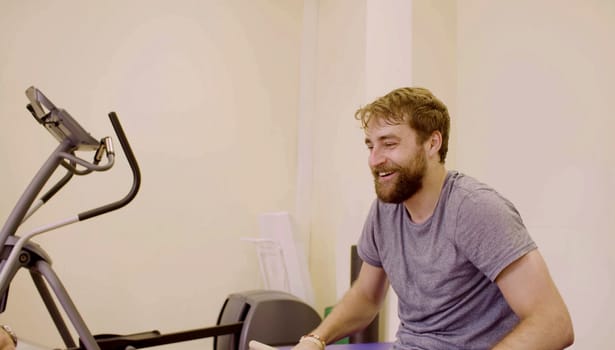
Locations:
(383, 138)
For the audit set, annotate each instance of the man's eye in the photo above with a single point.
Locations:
(390, 144)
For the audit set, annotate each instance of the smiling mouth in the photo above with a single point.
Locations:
(384, 174)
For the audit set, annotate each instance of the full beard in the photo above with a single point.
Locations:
(408, 182)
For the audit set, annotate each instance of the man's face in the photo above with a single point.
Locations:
(397, 162)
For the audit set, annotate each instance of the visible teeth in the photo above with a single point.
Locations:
(385, 173)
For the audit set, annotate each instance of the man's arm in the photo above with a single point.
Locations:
(544, 319)
(357, 308)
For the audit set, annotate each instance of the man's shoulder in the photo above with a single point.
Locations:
(465, 183)
(464, 186)
(469, 197)
(463, 191)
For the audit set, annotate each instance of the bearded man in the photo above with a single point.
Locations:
(457, 254)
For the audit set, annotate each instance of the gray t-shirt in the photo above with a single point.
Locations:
(443, 270)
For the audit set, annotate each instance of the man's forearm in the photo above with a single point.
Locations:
(353, 313)
(539, 333)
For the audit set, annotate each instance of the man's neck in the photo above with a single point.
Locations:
(423, 203)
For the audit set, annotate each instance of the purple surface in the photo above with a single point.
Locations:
(362, 346)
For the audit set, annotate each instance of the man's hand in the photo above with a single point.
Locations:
(6, 340)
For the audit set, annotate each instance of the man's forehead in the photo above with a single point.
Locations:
(377, 128)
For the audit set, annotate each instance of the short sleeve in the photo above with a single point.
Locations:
(367, 248)
(490, 232)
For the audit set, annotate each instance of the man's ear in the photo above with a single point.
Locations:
(433, 144)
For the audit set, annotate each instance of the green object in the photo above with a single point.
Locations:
(343, 340)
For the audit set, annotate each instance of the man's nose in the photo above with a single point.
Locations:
(376, 157)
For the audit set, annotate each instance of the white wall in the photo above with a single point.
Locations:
(208, 94)
(338, 167)
(535, 120)
(360, 58)
(434, 56)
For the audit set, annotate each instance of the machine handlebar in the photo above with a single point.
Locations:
(134, 166)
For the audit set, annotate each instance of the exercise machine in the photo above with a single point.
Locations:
(241, 313)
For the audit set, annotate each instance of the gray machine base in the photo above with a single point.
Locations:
(271, 317)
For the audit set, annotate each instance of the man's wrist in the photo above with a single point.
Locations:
(314, 338)
(10, 332)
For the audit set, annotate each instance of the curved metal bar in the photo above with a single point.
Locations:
(134, 166)
(88, 165)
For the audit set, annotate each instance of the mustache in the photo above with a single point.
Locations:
(384, 169)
